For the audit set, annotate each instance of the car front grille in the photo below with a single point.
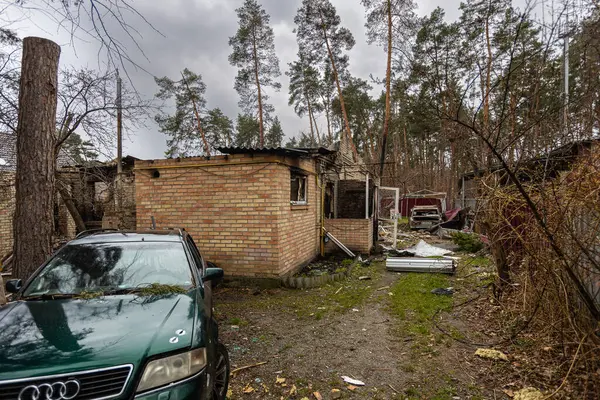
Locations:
(93, 385)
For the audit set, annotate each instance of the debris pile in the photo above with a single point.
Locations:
(325, 266)
(421, 257)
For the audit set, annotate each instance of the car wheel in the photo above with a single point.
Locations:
(222, 371)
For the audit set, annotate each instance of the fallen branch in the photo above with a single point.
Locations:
(247, 367)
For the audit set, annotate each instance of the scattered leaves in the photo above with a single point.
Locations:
(159, 289)
(90, 295)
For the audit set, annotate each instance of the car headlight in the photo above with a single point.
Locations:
(171, 369)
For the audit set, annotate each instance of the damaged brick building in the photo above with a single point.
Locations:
(8, 169)
(254, 212)
(89, 188)
(261, 212)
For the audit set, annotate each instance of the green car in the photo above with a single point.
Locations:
(115, 315)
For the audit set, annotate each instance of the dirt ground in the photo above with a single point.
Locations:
(387, 331)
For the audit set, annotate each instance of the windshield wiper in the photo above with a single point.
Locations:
(46, 296)
(154, 289)
(113, 292)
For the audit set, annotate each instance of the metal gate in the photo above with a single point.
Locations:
(387, 214)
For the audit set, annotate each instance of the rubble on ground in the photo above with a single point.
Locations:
(491, 354)
(529, 394)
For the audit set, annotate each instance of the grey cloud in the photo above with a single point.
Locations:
(196, 36)
(281, 10)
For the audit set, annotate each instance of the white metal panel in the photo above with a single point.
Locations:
(413, 264)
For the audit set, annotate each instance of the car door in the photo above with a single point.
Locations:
(201, 263)
(209, 323)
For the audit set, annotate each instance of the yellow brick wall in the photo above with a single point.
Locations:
(299, 224)
(66, 225)
(7, 209)
(238, 212)
(355, 234)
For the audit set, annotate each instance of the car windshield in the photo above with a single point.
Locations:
(95, 267)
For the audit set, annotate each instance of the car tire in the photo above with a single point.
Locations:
(222, 371)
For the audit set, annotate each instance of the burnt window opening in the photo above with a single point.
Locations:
(298, 188)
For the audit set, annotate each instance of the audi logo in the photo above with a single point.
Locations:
(51, 391)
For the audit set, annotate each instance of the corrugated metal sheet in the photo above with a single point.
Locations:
(282, 151)
(414, 264)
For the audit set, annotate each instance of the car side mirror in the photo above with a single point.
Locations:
(13, 285)
(214, 275)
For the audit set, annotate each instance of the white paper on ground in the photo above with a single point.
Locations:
(354, 382)
(423, 249)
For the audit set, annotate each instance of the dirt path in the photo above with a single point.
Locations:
(312, 338)
(313, 354)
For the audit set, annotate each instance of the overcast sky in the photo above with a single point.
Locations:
(196, 36)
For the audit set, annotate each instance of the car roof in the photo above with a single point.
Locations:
(128, 236)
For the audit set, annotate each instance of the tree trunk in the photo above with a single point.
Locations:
(310, 120)
(340, 94)
(407, 155)
(33, 224)
(513, 120)
(70, 204)
(198, 121)
(453, 172)
(486, 101)
(319, 139)
(388, 74)
(260, 107)
(326, 103)
(371, 143)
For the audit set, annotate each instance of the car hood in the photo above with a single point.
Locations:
(61, 336)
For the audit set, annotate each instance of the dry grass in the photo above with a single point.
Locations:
(553, 264)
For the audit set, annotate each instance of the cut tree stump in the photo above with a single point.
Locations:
(33, 223)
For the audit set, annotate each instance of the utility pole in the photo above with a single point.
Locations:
(119, 127)
(566, 74)
(119, 146)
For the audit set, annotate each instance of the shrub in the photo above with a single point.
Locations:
(467, 242)
(347, 262)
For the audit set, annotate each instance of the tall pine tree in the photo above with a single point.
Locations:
(248, 131)
(324, 41)
(390, 23)
(254, 56)
(219, 128)
(275, 134)
(187, 136)
(304, 93)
